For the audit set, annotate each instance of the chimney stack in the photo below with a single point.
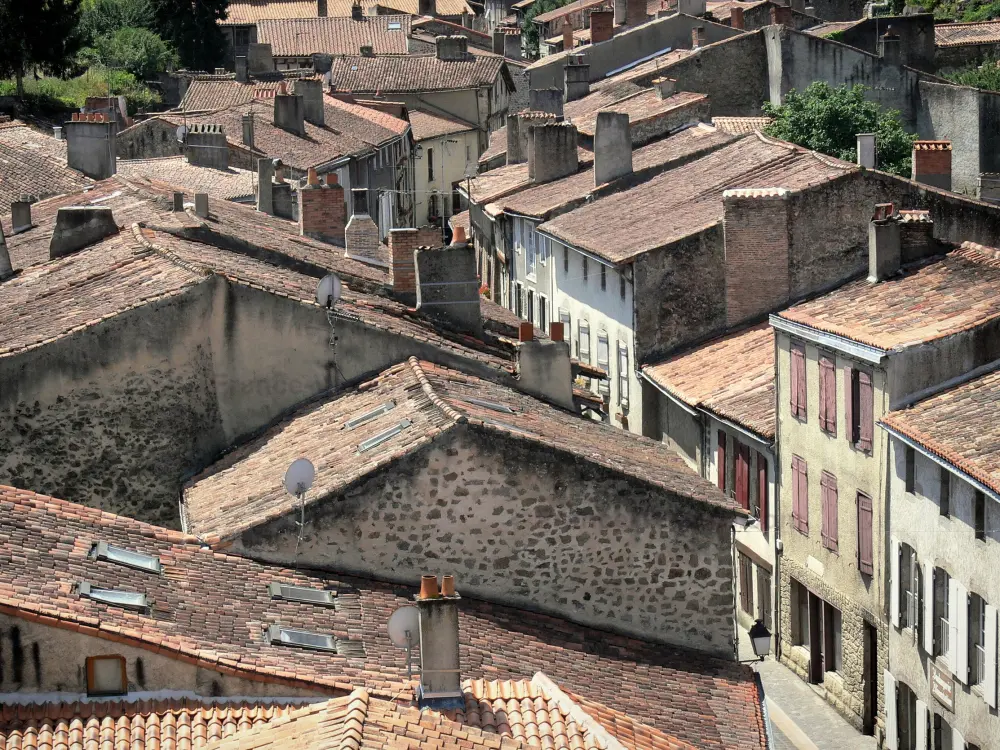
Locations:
(20, 215)
(519, 133)
(890, 47)
(620, 12)
(357, 13)
(290, 112)
(402, 273)
(989, 187)
(426, 7)
(866, 150)
(498, 42)
(311, 91)
(665, 87)
(321, 8)
(440, 665)
(242, 69)
(322, 210)
(6, 269)
(248, 131)
(448, 284)
(546, 100)
(451, 48)
(552, 151)
(512, 45)
(781, 14)
(602, 25)
(201, 205)
(884, 245)
(697, 37)
(265, 197)
(567, 34)
(259, 58)
(367, 50)
(206, 146)
(916, 236)
(57, 132)
(576, 78)
(635, 12)
(90, 146)
(612, 147)
(931, 163)
(544, 369)
(78, 227)
(736, 17)
(178, 203)
(361, 238)
(692, 7)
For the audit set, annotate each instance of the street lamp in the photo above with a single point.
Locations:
(760, 639)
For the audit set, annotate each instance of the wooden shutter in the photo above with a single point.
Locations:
(720, 460)
(802, 488)
(891, 741)
(762, 490)
(798, 382)
(828, 501)
(866, 406)
(849, 430)
(990, 678)
(957, 740)
(796, 503)
(827, 396)
(865, 551)
(742, 474)
(928, 608)
(958, 615)
(921, 725)
(894, 564)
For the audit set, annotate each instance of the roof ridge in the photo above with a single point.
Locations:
(425, 383)
(354, 721)
(137, 228)
(576, 712)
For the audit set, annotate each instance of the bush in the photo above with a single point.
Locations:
(139, 51)
(827, 119)
(50, 95)
(985, 76)
(101, 18)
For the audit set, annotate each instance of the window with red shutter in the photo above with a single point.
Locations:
(827, 396)
(865, 547)
(850, 396)
(800, 501)
(742, 474)
(828, 495)
(762, 491)
(798, 382)
(866, 420)
(720, 460)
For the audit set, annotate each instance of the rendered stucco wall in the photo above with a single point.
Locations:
(558, 535)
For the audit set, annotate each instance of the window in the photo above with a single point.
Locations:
(530, 305)
(977, 639)
(543, 249)
(759, 509)
(603, 355)
(114, 597)
(800, 614)
(742, 472)
(944, 493)
(911, 468)
(860, 406)
(621, 284)
(623, 373)
(980, 510)
(720, 461)
(565, 320)
(827, 396)
(942, 734)
(530, 258)
(833, 645)
(800, 495)
(106, 675)
(604, 277)
(105, 551)
(866, 562)
(746, 584)
(910, 588)
(430, 165)
(518, 300)
(906, 718)
(764, 597)
(798, 382)
(302, 594)
(543, 313)
(377, 440)
(942, 626)
(583, 342)
(584, 269)
(565, 259)
(828, 503)
(301, 638)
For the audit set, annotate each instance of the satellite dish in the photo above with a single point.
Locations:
(182, 132)
(300, 476)
(404, 620)
(328, 291)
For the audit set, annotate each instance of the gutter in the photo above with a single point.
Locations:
(864, 352)
(595, 258)
(768, 735)
(689, 409)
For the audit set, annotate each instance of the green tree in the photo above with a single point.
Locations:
(192, 28)
(985, 76)
(139, 51)
(101, 18)
(827, 119)
(529, 30)
(37, 34)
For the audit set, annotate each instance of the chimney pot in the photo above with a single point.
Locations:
(279, 172)
(556, 331)
(525, 332)
(332, 179)
(201, 205)
(57, 132)
(576, 81)
(428, 587)
(458, 235)
(322, 210)
(447, 585)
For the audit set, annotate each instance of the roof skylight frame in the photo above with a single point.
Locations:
(395, 26)
(369, 415)
(279, 635)
(302, 594)
(377, 440)
(133, 600)
(508, 426)
(491, 405)
(128, 558)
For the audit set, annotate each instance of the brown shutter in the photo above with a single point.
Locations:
(804, 495)
(852, 436)
(830, 518)
(720, 460)
(866, 405)
(824, 400)
(742, 474)
(762, 490)
(865, 564)
(828, 396)
(798, 382)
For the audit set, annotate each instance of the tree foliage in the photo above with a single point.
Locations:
(102, 18)
(138, 51)
(38, 33)
(529, 30)
(192, 28)
(827, 119)
(985, 76)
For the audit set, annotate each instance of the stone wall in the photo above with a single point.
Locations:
(916, 37)
(148, 140)
(949, 59)
(557, 534)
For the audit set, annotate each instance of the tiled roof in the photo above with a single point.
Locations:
(955, 34)
(489, 186)
(244, 489)
(157, 724)
(34, 164)
(427, 125)
(45, 548)
(411, 73)
(600, 98)
(688, 199)
(580, 36)
(646, 70)
(228, 184)
(539, 201)
(464, 220)
(831, 27)
(300, 37)
(644, 106)
(498, 145)
(960, 426)
(740, 125)
(723, 11)
(19, 135)
(941, 297)
(732, 377)
(244, 12)
(573, 7)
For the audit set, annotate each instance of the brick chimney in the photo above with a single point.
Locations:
(890, 48)
(402, 272)
(206, 146)
(448, 284)
(451, 47)
(289, 111)
(756, 235)
(781, 14)
(546, 100)
(90, 145)
(612, 147)
(635, 12)
(544, 368)
(932, 163)
(6, 269)
(78, 227)
(567, 34)
(736, 17)
(884, 246)
(576, 81)
(916, 236)
(866, 150)
(361, 237)
(552, 151)
(697, 37)
(602, 25)
(440, 664)
(322, 210)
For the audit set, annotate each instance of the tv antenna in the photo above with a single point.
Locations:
(298, 479)
(404, 629)
(327, 295)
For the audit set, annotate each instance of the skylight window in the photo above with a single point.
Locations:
(280, 636)
(395, 25)
(114, 597)
(302, 594)
(507, 426)
(490, 405)
(370, 415)
(376, 441)
(105, 551)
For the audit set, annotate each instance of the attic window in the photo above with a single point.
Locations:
(374, 442)
(395, 25)
(301, 594)
(106, 675)
(105, 551)
(490, 405)
(280, 636)
(114, 597)
(370, 415)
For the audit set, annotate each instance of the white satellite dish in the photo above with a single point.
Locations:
(404, 626)
(299, 476)
(328, 291)
(182, 132)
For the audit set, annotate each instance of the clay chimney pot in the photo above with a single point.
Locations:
(312, 176)
(458, 236)
(526, 332)
(331, 178)
(428, 587)
(448, 586)
(556, 331)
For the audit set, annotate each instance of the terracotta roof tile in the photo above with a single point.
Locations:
(643, 72)
(17, 134)
(226, 184)
(960, 426)
(33, 164)
(498, 145)
(739, 125)
(831, 27)
(957, 34)
(426, 125)
(573, 7)
(301, 37)
(390, 74)
(645, 105)
(732, 377)
(710, 702)
(244, 12)
(944, 296)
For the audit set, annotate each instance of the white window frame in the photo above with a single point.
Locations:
(604, 342)
(531, 255)
(623, 373)
(582, 337)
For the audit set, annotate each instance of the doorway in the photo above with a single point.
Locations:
(870, 680)
(816, 667)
